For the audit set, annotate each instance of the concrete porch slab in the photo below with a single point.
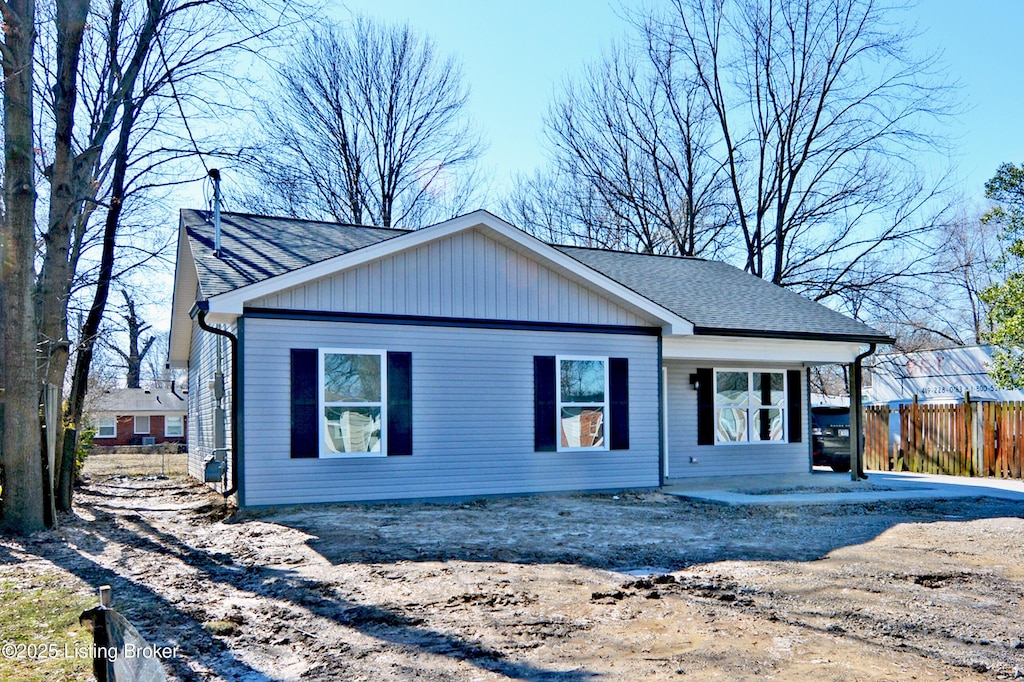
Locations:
(822, 487)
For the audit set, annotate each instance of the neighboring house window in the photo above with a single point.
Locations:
(174, 427)
(142, 425)
(107, 427)
(352, 402)
(582, 402)
(750, 406)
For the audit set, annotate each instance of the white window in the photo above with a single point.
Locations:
(750, 406)
(174, 427)
(142, 424)
(107, 427)
(352, 402)
(582, 403)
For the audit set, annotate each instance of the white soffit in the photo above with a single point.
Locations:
(760, 350)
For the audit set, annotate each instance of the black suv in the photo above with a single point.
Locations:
(830, 434)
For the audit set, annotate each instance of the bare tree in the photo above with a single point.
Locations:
(967, 252)
(149, 72)
(820, 105)
(943, 305)
(22, 480)
(553, 207)
(137, 348)
(630, 146)
(368, 126)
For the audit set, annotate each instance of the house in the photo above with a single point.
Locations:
(139, 416)
(331, 362)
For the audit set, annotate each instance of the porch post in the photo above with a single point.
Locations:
(856, 412)
(856, 464)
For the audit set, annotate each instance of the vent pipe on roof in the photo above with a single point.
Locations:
(215, 174)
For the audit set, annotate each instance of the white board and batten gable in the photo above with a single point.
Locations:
(470, 274)
(472, 267)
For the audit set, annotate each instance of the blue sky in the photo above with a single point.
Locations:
(516, 53)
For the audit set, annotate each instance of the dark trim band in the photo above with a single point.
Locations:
(793, 336)
(419, 320)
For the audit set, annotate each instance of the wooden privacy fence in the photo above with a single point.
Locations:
(969, 439)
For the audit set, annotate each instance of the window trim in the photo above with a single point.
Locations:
(325, 453)
(100, 425)
(135, 425)
(605, 406)
(181, 426)
(750, 371)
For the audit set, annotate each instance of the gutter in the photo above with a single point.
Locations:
(857, 408)
(201, 307)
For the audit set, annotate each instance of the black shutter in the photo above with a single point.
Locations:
(618, 389)
(794, 381)
(544, 405)
(705, 407)
(305, 422)
(399, 404)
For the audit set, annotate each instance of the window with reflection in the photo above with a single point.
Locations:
(582, 402)
(107, 427)
(750, 406)
(352, 401)
(174, 426)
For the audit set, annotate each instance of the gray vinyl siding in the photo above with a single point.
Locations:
(473, 407)
(201, 402)
(466, 275)
(724, 460)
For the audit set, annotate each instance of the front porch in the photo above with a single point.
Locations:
(761, 431)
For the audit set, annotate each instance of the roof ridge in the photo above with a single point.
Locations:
(632, 253)
(299, 220)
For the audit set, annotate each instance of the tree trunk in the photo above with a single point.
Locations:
(66, 193)
(20, 443)
(66, 196)
(83, 361)
(134, 357)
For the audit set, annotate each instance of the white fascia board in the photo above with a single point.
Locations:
(226, 307)
(186, 283)
(760, 350)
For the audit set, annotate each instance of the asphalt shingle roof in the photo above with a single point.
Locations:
(716, 297)
(255, 248)
(719, 298)
(141, 400)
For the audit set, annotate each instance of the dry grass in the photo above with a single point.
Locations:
(102, 465)
(41, 636)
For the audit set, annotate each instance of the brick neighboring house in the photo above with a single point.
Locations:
(139, 416)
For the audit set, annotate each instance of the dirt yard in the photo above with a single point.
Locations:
(588, 587)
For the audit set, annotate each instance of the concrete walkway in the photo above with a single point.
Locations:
(826, 487)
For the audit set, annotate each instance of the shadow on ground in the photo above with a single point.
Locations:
(617, 532)
(114, 521)
(160, 580)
